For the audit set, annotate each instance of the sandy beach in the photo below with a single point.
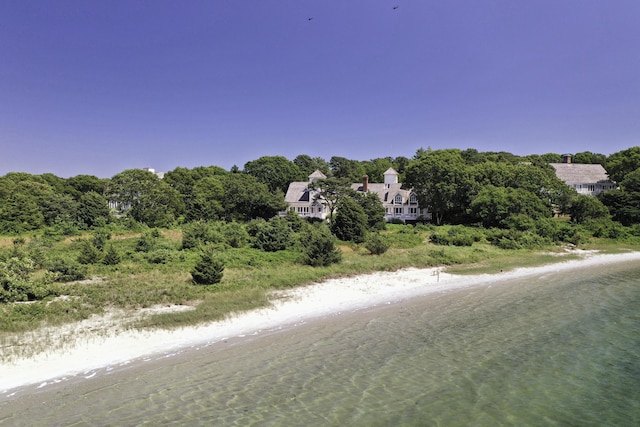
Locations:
(78, 350)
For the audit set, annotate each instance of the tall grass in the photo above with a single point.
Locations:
(249, 276)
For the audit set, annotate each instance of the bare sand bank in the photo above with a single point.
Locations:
(79, 349)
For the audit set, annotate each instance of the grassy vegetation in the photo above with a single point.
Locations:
(156, 272)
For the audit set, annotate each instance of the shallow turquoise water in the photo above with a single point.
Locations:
(557, 350)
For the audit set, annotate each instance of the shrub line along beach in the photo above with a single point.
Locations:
(77, 350)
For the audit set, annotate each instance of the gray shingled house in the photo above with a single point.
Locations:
(584, 178)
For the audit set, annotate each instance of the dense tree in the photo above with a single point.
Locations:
(246, 198)
(184, 181)
(146, 198)
(59, 207)
(309, 165)
(82, 184)
(623, 162)
(349, 170)
(93, 209)
(373, 208)
(623, 206)
(206, 200)
(376, 168)
(587, 157)
(495, 205)
(276, 172)
(351, 221)
(585, 208)
(441, 181)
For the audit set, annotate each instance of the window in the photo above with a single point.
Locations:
(413, 211)
(397, 211)
(398, 199)
(413, 199)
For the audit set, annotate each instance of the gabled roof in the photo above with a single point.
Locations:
(577, 173)
(390, 171)
(316, 175)
(298, 192)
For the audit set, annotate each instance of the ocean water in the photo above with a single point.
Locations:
(553, 350)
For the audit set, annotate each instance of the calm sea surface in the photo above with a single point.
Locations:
(554, 350)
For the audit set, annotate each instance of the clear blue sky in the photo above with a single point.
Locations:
(97, 87)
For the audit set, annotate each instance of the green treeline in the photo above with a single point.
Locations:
(217, 223)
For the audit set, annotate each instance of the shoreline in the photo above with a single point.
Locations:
(95, 345)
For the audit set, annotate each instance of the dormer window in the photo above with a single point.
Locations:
(398, 199)
(413, 199)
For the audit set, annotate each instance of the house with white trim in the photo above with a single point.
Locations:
(399, 204)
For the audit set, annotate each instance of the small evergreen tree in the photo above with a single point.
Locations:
(209, 269)
(319, 246)
(89, 254)
(111, 257)
(350, 222)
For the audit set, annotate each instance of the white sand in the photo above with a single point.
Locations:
(101, 341)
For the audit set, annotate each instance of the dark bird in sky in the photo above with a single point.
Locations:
(395, 7)
(309, 19)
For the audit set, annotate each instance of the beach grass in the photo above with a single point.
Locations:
(250, 276)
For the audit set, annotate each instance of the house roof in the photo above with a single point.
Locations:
(385, 192)
(317, 175)
(298, 192)
(391, 171)
(577, 173)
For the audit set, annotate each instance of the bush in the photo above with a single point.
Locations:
(89, 254)
(100, 239)
(67, 271)
(111, 257)
(455, 236)
(319, 246)
(376, 244)
(235, 235)
(200, 233)
(270, 236)
(209, 269)
(160, 256)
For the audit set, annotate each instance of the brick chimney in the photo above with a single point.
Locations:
(365, 183)
(566, 158)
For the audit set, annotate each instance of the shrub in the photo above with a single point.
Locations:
(319, 246)
(273, 235)
(89, 254)
(160, 256)
(455, 236)
(67, 271)
(200, 233)
(111, 257)
(376, 244)
(209, 269)
(100, 239)
(235, 235)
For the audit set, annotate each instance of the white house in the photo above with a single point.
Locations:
(399, 204)
(586, 179)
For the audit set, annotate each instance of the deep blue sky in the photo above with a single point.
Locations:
(97, 87)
